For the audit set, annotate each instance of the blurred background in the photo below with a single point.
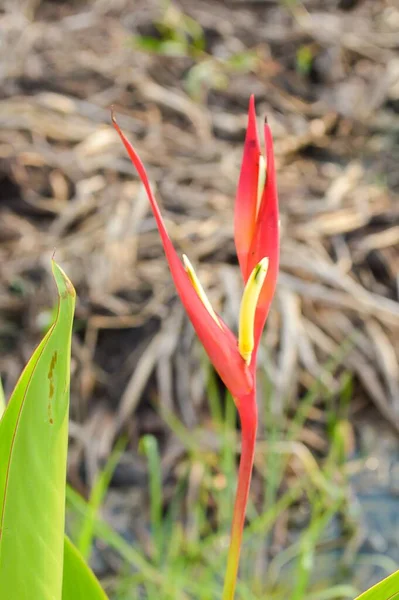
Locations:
(154, 442)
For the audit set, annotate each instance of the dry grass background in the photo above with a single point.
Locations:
(326, 74)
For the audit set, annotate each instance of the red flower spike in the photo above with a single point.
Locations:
(218, 341)
(256, 234)
(247, 192)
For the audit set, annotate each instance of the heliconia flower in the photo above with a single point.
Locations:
(256, 233)
(256, 221)
(256, 239)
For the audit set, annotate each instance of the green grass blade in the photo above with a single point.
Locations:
(387, 589)
(102, 530)
(337, 592)
(79, 581)
(97, 495)
(33, 453)
(149, 447)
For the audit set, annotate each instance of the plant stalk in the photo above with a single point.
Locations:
(249, 421)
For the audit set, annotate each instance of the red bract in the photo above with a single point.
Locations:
(256, 237)
(218, 341)
(256, 220)
(256, 234)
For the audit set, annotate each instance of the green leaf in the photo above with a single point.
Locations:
(2, 400)
(387, 589)
(164, 47)
(304, 59)
(79, 581)
(33, 453)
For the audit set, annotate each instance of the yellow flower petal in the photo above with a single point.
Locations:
(199, 289)
(248, 307)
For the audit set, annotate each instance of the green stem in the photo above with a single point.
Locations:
(248, 417)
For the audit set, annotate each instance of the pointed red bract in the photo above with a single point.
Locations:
(219, 342)
(266, 238)
(247, 192)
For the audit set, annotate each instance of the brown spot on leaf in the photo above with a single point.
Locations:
(53, 361)
(69, 289)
